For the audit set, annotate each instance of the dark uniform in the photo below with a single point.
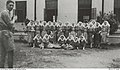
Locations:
(45, 40)
(82, 42)
(66, 28)
(37, 40)
(90, 35)
(62, 41)
(97, 36)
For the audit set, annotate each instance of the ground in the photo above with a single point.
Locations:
(26, 57)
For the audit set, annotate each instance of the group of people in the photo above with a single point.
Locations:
(67, 35)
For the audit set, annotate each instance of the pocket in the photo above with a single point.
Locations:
(5, 34)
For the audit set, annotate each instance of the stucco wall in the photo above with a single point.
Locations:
(108, 6)
(67, 10)
(97, 4)
(30, 9)
(40, 9)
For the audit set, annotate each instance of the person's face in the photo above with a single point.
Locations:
(97, 24)
(66, 24)
(73, 29)
(105, 23)
(80, 24)
(10, 6)
(93, 22)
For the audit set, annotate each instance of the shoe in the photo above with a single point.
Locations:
(83, 48)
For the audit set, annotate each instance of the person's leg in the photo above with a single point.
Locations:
(79, 46)
(84, 45)
(10, 59)
(34, 43)
(3, 57)
(2, 51)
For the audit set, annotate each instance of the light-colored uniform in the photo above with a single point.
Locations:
(31, 31)
(105, 31)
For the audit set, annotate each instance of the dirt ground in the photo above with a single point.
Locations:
(26, 57)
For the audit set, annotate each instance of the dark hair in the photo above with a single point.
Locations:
(9, 1)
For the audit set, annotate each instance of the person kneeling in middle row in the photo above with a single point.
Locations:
(62, 41)
(37, 41)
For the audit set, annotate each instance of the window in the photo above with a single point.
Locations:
(21, 10)
(84, 9)
(117, 8)
(51, 4)
(51, 7)
(84, 3)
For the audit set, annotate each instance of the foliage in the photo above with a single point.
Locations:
(111, 18)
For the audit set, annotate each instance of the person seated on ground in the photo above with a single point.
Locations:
(76, 43)
(45, 40)
(60, 32)
(82, 42)
(62, 41)
(37, 40)
(70, 42)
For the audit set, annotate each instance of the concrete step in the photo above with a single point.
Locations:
(114, 36)
(118, 26)
(18, 34)
(114, 39)
(117, 32)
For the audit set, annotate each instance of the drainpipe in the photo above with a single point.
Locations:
(35, 10)
(102, 8)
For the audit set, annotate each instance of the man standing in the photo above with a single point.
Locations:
(6, 37)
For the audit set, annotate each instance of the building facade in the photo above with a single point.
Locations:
(63, 10)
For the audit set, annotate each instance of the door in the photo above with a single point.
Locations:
(84, 9)
(51, 7)
(21, 10)
(117, 9)
(49, 13)
(84, 14)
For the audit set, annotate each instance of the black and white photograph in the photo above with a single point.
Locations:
(59, 34)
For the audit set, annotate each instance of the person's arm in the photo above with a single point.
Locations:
(5, 17)
(59, 38)
(14, 19)
(35, 37)
(64, 39)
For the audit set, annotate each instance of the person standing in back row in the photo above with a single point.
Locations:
(6, 35)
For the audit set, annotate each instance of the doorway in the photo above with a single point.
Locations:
(84, 9)
(51, 7)
(20, 11)
(117, 9)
